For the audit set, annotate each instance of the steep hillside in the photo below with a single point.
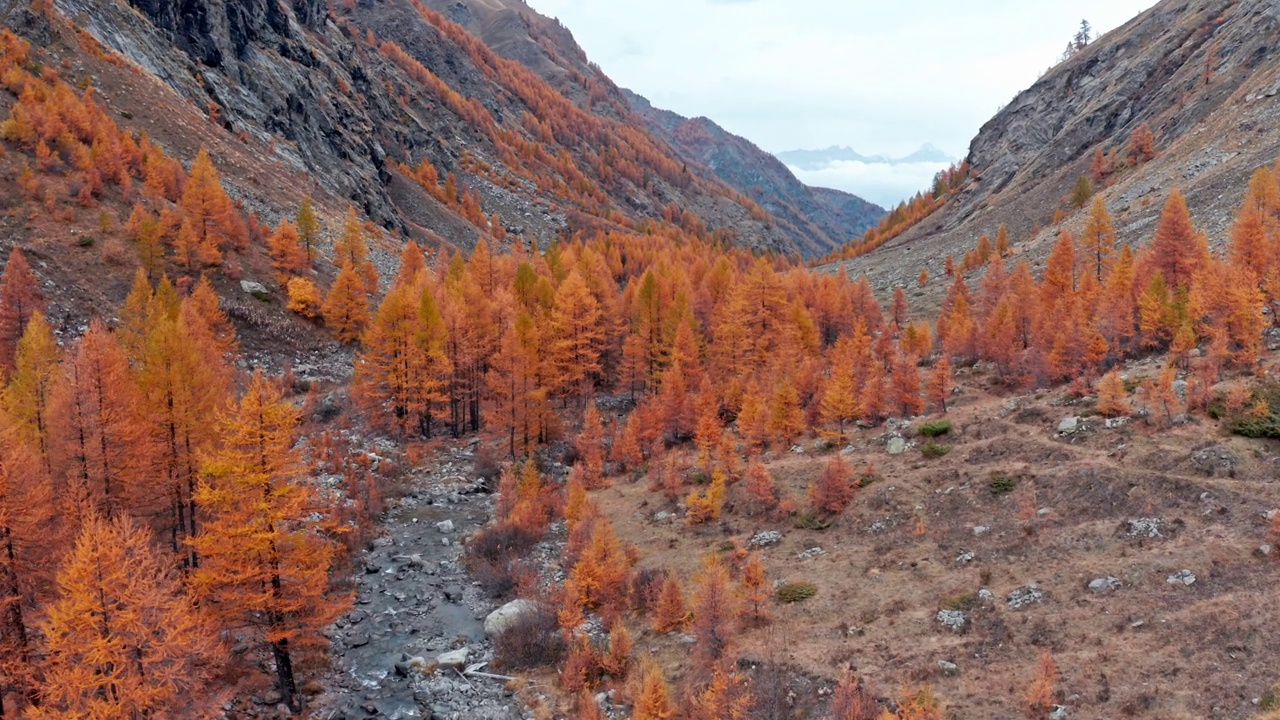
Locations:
(816, 219)
(354, 100)
(1201, 75)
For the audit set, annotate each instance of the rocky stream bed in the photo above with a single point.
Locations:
(418, 621)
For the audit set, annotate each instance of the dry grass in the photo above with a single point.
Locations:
(1150, 649)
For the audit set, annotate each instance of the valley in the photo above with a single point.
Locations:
(385, 359)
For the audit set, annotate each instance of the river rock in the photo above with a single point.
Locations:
(504, 617)
(454, 659)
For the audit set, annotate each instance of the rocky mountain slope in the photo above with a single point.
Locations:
(818, 219)
(350, 101)
(823, 216)
(1202, 75)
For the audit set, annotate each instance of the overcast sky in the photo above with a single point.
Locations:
(881, 77)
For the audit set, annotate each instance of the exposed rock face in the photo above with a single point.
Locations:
(311, 84)
(1202, 75)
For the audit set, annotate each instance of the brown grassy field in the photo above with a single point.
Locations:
(1147, 649)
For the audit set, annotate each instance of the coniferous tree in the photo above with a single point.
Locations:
(123, 640)
(264, 563)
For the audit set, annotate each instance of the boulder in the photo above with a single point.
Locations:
(256, 289)
(1104, 584)
(953, 619)
(445, 526)
(1182, 577)
(1024, 597)
(454, 659)
(765, 538)
(1069, 425)
(504, 617)
(948, 668)
(896, 446)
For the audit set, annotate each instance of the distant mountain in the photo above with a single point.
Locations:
(812, 221)
(819, 159)
(819, 215)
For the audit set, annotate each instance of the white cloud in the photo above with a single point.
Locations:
(788, 74)
(882, 183)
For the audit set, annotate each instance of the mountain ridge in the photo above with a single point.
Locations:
(817, 159)
(819, 221)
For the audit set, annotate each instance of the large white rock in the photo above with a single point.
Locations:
(502, 618)
(454, 659)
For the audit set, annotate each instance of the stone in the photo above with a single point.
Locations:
(966, 557)
(981, 529)
(1145, 527)
(1104, 584)
(1069, 425)
(1024, 596)
(986, 598)
(765, 538)
(797, 450)
(896, 446)
(1182, 577)
(453, 593)
(1265, 550)
(948, 668)
(812, 552)
(1059, 713)
(454, 659)
(1113, 423)
(953, 619)
(445, 527)
(256, 289)
(502, 618)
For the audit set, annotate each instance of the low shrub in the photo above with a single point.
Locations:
(811, 521)
(794, 592)
(1002, 483)
(961, 601)
(934, 450)
(934, 428)
(533, 640)
(494, 557)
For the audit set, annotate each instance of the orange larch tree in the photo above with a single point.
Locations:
(401, 368)
(264, 563)
(308, 227)
(183, 386)
(29, 543)
(98, 444)
(714, 609)
(26, 398)
(288, 255)
(346, 309)
(352, 249)
(123, 640)
(832, 491)
(1098, 239)
(19, 297)
(653, 698)
(210, 218)
(671, 614)
(1178, 251)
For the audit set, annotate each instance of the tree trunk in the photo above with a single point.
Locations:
(284, 676)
